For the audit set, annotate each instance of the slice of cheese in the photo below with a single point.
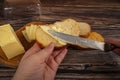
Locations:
(9, 42)
(85, 28)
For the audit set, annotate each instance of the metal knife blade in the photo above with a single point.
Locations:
(78, 40)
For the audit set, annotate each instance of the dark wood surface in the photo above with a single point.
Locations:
(104, 18)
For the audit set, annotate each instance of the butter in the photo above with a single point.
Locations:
(9, 42)
(25, 35)
(46, 28)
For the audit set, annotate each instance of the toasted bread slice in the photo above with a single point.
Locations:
(44, 39)
(67, 26)
(85, 29)
(25, 35)
(96, 36)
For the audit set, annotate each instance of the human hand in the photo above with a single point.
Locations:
(115, 42)
(40, 64)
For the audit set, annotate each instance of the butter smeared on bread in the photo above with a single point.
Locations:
(44, 39)
(67, 26)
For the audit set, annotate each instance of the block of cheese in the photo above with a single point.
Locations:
(9, 42)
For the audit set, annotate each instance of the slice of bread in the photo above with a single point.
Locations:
(15, 61)
(44, 39)
(67, 26)
(29, 32)
(95, 36)
(26, 36)
(85, 29)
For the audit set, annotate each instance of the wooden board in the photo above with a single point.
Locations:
(104, 18)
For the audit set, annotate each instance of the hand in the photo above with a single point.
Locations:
(115, 42)
(40, 64)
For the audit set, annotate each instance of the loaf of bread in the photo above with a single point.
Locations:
(38, 32)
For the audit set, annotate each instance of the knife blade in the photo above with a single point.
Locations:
(83, 41)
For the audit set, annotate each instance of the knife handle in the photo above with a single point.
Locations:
(109, 47)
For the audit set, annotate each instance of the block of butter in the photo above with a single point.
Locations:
(9, 42)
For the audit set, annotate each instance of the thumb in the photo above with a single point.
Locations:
(46, 52)
(34, 49)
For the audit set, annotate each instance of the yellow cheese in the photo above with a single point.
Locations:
(9, 42)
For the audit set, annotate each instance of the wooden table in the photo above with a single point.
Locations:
(104, 18)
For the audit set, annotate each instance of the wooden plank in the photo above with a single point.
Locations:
(103, 16)
(80, 3)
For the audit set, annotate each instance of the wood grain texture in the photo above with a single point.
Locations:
(104, 18)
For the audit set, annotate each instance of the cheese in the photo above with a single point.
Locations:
(9, 42)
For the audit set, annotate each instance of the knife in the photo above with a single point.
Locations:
(83, 41)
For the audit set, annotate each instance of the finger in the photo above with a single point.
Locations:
(115, 42)
(34, 49)
(117, 51)
(60, 56)
(56, 52)
(46, 52)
